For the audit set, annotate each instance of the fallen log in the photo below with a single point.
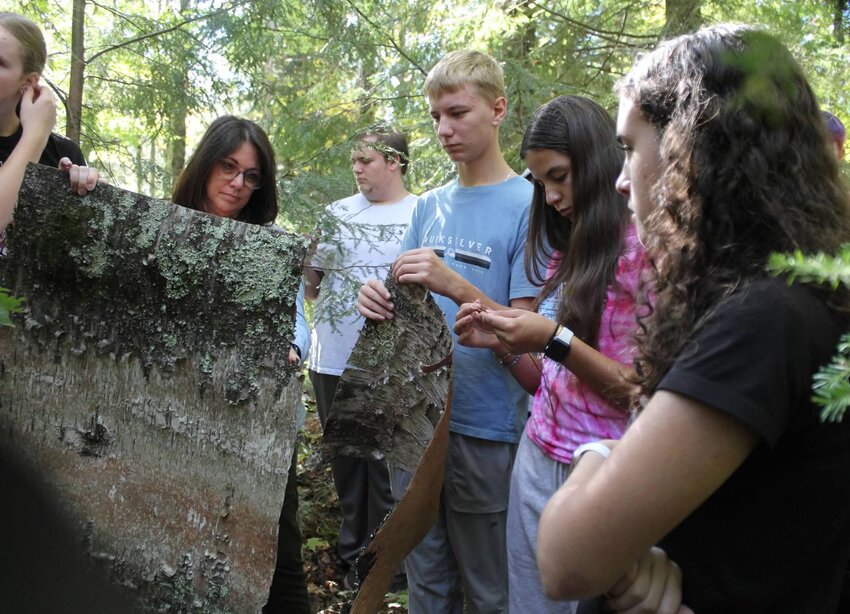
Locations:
(147, 380)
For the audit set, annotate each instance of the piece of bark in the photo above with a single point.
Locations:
(385, 404)
(148, 381)
(406, 525)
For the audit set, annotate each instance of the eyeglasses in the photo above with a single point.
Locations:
(228, 170)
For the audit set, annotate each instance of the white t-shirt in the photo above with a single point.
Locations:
(363, 246)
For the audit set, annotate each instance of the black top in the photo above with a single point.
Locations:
(776, 536)
(57, 147)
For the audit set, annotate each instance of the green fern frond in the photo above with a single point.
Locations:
(816, 268)
(831, 385)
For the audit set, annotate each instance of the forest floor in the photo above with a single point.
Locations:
(319, 515)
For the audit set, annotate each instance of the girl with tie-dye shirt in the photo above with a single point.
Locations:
(582, 242)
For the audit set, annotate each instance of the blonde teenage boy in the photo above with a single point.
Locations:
(466, 242)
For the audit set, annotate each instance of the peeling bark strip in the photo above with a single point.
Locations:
(406, 525)
(148, 381)
(385, 403)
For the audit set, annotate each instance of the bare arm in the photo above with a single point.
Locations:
(675, 455)
(38, 114)
(522, 331)
(423, 266)
(312, 282)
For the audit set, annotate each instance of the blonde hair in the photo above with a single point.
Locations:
(459, 68)
(29, 36)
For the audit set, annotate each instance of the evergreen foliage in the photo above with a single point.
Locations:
(315, 72)
(831, 386)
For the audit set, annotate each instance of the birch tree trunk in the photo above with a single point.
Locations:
(148, 383)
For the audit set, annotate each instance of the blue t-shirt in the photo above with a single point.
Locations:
(480, 233)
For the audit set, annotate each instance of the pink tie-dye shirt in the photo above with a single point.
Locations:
(567, 413)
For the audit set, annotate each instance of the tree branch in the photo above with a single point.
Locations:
(177, 26)
(394, 44)
(601, 33)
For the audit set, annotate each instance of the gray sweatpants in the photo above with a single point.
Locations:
(535, 479)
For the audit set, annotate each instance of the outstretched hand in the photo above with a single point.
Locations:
(520, 331)
(84, 179)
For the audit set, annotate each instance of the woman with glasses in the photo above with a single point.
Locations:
(232, 174)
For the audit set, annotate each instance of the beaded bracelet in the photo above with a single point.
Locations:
(510, 363)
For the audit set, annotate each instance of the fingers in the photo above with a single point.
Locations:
(38, 110)
(83, 179)
(422, 266)
(653, 586)
(467, 309)
(92, 178)
(671, 599)
(373, 301)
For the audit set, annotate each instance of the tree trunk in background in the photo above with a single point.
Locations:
(682, 16)
(176, 146)
(839, 8)
(177, 121)
(153, 188)
(148, 384)
(78, 68)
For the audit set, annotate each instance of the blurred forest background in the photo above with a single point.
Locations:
(140, 81)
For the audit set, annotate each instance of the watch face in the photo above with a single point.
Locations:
(559, 346)
(557, 349)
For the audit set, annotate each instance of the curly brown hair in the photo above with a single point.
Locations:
(745, 171)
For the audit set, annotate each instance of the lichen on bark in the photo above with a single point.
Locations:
(385, 404)
(158, 280)
(147, 380)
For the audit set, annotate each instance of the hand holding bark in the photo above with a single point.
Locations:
(84, 179)
(423, 266)
(374, 301)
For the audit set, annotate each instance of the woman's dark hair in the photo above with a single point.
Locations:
(223, 136)
(746, 170)
(588, 248)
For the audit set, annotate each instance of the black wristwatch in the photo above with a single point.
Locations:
(559, 345)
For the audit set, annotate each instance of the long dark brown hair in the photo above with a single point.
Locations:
(590, 246)
(745, 171)
(224, 136)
